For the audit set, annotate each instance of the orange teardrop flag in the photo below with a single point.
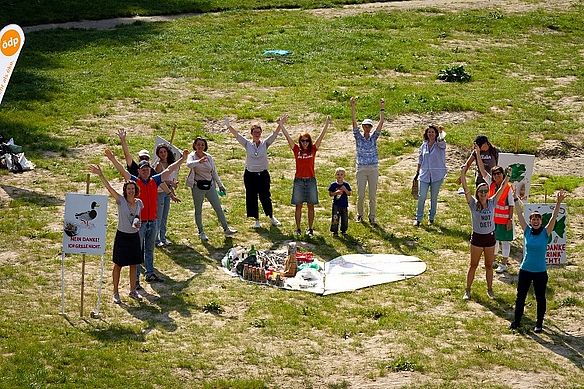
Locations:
(11, 41)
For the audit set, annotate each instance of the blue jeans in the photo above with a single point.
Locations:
(434, 188)
(211, 195)
(147, 238)
(162, 216)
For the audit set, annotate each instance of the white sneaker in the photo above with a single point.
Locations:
(256, 224)
(135, 295)
(490, 294)
(501, 269)
(466, 295)
(229, 231)
(275, 221)
(203, 236)
(117, 299)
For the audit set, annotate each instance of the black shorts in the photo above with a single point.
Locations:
(483, 240)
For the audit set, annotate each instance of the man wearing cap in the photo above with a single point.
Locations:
(367, 161)
(489, 156)
(149, 195)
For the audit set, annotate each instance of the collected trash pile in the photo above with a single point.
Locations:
(12, 157)
(284, 269)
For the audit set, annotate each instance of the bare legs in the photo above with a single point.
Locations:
(298, 215)
(475, 256)
(116, 277)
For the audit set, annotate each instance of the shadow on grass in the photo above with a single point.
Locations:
(32, 84)
(171, 297)
(29, 197)
(563, 344)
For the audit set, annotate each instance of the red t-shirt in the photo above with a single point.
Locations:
(304, 162)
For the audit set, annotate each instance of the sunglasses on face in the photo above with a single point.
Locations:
(305, 140)
(483, 191)
(497, 173)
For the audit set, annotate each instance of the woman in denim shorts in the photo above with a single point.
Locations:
(482, 210)
(304, 190)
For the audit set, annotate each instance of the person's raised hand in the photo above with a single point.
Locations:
(95, 169)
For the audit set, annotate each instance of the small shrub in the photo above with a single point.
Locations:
(403, 364)
(454, 74)
(401, 68)
(212, 307)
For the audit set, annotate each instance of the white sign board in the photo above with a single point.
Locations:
(85, 224)
(11, 41)
(521, 172)
(556, 248)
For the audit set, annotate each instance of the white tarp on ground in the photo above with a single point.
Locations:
(351, 272)
(356, 271)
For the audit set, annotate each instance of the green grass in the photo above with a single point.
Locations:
(72, 90)
(40, 12)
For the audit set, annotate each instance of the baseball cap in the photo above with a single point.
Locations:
(143, 163)
(367, 121)
(144, 153)
(480, 140)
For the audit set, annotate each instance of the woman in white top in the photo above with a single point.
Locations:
(203, 181)
(256, 177)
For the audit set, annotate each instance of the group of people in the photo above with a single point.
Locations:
(144, 204)
(491, 210)
(143, 207)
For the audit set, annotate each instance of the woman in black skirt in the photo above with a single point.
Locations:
(127, 250)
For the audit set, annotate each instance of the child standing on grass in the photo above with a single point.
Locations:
(339, 190)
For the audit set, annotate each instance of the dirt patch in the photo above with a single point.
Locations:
(446, 5)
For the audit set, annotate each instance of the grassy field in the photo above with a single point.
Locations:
(72, 90)
(29, 13)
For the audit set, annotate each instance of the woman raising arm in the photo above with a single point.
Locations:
(533, 268)
(305, 189)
